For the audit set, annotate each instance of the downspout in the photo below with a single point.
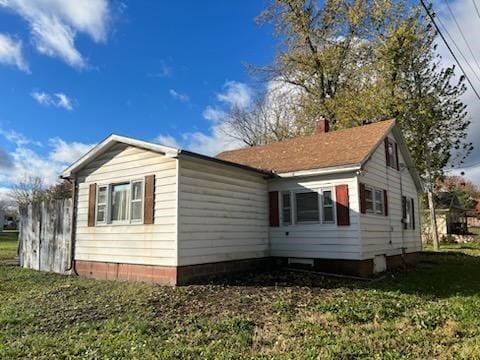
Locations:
(74, 226)
(401, 205)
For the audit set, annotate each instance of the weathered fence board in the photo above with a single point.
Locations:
(45, 236)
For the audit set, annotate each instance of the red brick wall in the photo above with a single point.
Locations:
(166, 275)
(182, 275)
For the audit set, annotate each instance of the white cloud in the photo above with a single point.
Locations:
(54, 25)
(63, 101)
(26, 162)
(236, 94)
(468, 19)
(11, 53)
(59, 100)
(165, 71)
(167, 140)
(17, 138)
(178, 96)
(64, 152)
(213, 114)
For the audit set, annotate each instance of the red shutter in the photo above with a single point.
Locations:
(363, 202)
(413, 214)
(385, 202)
(387, 156)
(343, 207)
(92, 199)
(273, 208)
(396, 157)
(149, 201)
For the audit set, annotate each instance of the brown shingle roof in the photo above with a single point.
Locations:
(337, 148)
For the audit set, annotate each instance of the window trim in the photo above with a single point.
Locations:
(392, 164)
(105, 216)
(375, 191)
(108, 216)
(294, 208)
(141, 200)
(332, 206)
(409, 213)
(282, 207)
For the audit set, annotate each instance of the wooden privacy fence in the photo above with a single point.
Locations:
(45, 236)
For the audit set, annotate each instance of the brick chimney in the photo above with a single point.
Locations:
(321, 126)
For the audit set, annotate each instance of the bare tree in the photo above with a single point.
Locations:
(29, 190)
(270, 118)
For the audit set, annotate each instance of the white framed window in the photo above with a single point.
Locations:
(307, 207)
(392, 154)
(374, 201)
(327, 208)
(136, 204)
(119, 194)
(286, 208)
(408, 213)
(120, 203)
(102, 197)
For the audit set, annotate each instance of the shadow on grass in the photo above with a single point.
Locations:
(437, 275)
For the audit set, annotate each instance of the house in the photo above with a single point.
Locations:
(339, 201)
(473, 216)
(450, 215)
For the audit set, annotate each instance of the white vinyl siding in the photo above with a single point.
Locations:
(317, 240)
(129, 242)
(223, 213)
(385, 234)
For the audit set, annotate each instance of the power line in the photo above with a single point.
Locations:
(458, 49)
(476, 8)
(461, 33)
(449, 48)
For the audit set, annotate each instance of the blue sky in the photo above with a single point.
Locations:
(138, 68)
(73, 72)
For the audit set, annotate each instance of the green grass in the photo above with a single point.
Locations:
(432, 311)
(8, 245)
(474, 230)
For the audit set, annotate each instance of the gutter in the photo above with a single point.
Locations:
(323, 171)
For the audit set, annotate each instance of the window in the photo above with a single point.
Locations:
(286, 208)
(137, 201)
(391, 154)
(102, 204)
(369, 200)
(379, 202)
(328, 206)
(120, 203)
(307, 206)
(408, 213)
(374, 201)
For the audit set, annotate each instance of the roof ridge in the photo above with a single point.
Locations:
(296, 138)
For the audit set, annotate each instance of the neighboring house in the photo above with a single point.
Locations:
(332, 200)
(451, 216)
(473, 216)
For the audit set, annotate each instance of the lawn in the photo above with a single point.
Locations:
(8, 245)
(430, 312)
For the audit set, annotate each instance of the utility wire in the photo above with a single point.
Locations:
(476, 8)
(461, 33)
(458, 49)
(449, 48)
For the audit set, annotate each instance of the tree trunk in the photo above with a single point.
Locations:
(433, 220)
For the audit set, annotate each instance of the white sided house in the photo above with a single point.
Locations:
(343, 201)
